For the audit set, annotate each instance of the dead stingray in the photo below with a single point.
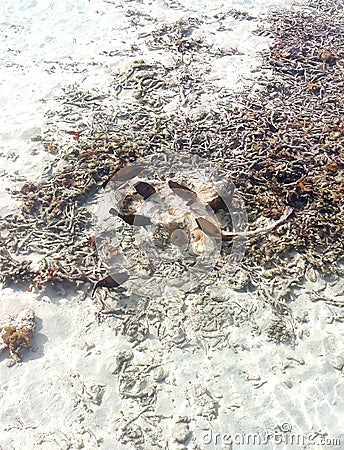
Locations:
(111, 281)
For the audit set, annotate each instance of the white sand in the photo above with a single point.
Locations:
(230, 379)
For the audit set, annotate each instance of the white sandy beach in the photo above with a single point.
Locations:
(207, 367)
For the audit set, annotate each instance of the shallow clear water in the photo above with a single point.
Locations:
(46, 46)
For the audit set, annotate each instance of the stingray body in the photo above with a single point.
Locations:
(112, 281)
(132, 219)
(217, 203)
(183, 192)
(128, 173)
(208, 227)
(144, 189)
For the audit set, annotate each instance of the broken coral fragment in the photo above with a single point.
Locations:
(16, 332)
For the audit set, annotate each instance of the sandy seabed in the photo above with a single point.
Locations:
(195, 370)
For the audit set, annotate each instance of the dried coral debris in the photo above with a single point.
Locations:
(282, 146)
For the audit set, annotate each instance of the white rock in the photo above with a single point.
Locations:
(337, 362)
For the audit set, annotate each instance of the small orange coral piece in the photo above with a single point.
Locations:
(313, 86)
(92, 242)
(75, 134)
(331, 167)
(336, 197)
(16, 339)
(301, 183)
